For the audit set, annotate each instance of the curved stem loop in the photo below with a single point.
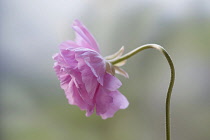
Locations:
(170, 62)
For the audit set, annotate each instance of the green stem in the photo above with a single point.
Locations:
(170, 62)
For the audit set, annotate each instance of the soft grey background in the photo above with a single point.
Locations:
(34, 107)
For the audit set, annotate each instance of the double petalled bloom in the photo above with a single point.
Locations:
(87, 78)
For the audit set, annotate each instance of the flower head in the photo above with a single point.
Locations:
(86, 77)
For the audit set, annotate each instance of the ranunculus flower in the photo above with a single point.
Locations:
(86, 77)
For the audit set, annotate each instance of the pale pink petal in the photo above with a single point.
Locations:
(57, 68)
(62, 76)
(77, 76)
(60, 60)
(94, 61)
(97, 65)
(74, 98)
(83, 37)
(111, 82)
(109, 102)
(87, 75)
(89, 80)
(69, 57)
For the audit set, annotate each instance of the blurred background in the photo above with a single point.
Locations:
(34, 107)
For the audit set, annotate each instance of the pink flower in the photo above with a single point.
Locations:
(85, 75)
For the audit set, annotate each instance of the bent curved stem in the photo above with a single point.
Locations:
(170, 62)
